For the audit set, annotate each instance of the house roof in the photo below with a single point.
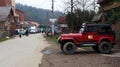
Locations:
(97, 17)
(4, 12)
(35, 23)
(32, 23)
(19, 10)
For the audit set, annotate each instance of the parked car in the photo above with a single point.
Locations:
(98, 36)
(33, 29)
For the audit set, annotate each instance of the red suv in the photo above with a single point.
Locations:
(98, 36)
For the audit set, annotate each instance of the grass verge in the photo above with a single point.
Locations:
(52, 38)
(3, 39)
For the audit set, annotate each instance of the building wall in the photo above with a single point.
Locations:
(2, 29)
(10, 25)
(1, 2)
(21, 15)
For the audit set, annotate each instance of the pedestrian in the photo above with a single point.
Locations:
(27, 32)
(20, 32)
(20, 35)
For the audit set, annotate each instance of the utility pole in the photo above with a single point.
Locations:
(53, 8)
(72, 26)
(53, 26)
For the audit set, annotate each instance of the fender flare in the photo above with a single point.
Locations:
(69, 39)
(105, 38)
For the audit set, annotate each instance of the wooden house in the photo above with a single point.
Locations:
(7, 21)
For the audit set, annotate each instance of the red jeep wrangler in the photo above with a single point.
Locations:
(98, 36)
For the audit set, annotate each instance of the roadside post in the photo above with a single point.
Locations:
(53, 25)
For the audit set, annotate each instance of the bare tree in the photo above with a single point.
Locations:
(83, 4)
(95, 5)
(70, 5)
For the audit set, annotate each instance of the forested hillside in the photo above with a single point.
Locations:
(37, 14)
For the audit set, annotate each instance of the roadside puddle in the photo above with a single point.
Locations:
(47, 51)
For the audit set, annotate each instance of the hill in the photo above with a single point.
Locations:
(37, 14)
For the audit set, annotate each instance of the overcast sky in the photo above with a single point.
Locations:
(45, 4)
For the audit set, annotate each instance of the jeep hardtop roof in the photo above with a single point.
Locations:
(94, 24)
(98, 24)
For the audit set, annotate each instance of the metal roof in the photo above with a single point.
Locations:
(97, 17)
(4, 12)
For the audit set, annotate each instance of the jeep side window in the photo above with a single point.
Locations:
(91, 29)
(105, 30)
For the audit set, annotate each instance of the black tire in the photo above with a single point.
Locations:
(95, 48)
(69, 48)
(105, 47)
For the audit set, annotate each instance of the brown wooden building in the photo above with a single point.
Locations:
(7, 21)
(105, 6)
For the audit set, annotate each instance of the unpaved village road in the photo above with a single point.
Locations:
(22, 52)
(83, 57)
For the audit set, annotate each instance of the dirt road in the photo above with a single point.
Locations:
(22, 52)
(54, 57)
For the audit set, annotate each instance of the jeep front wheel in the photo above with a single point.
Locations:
(69, 48)
(105, 47)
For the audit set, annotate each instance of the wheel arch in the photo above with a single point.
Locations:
(69, 39)
(104, 39)
(64, 41)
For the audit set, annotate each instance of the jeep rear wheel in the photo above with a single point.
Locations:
(69, 48)
(96, 48)
(105, 47)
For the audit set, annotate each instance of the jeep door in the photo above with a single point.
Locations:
(90, 34)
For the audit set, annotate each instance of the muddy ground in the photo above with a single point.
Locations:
(54, 57)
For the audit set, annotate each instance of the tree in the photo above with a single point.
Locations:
(80, 14)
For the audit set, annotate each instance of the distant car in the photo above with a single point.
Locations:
(33, 29)
(98, 36)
